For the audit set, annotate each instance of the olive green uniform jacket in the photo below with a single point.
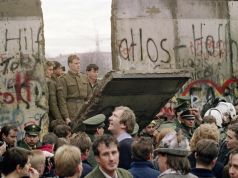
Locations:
(23, 144)
(72, 93)
(121, 173)
(188, 132)
(94, 88)
(54, 111)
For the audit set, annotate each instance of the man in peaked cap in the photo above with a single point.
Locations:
(31, 140)
(94, 128)
(187, 123)
(95, 125)
(183, 103)
(148, 131)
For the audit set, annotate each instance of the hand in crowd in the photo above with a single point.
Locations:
(68, 121)
(197, 115)
(3, 148)
(33, 173)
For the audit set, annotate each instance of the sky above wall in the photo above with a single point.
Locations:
(72, 26)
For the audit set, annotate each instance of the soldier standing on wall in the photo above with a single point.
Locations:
(54, 112)
(72, 90)
(48, 73)
(92, 74)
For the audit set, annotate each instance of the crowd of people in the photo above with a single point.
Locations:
(180, 143)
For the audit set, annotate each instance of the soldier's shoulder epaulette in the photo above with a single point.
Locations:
(62, 75)
(83, 77)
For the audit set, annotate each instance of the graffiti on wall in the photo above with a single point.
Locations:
(204, 48)
(22, 82)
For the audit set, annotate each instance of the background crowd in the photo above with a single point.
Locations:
(180, 142)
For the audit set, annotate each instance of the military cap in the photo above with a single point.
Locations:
(153, 122)
(174, 144)
(187, 114)
(32, 129)
(97, 120)
(182, 103)
(181, 99)
(135, 130)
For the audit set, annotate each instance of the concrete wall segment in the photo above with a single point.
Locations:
(22, 81)
(16, 8)
(201, 9)
(199, 35)
(233, 13)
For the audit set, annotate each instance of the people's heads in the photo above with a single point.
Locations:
(206, 152)
(49, 65)
(233, 163)
(49, 138)
(232, 136)
(82, 141)
(63, 131)
(150, 128)
(95, 125)
(60, 142)
(177, 163)
(183, 103)
(68, 161)
(213, 114)
(122, 119)
(106, 153)
(187, 118)
(16, 160)
(204, 131)
(92, 72)
(57, 69)
(32, 132)
(172, 153)
(228, 112)
(9, 134)
(74, 63)
(142, 149)
(209, 120)
(162, 133)
(54, 123)
(38, 161)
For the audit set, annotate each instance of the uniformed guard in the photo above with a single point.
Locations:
(54, 112)
(31, 140)
(187, 124)
(94, 128)
(148, 131)
(183, 103)
(72, 90)
(48, 67)
(92, 71)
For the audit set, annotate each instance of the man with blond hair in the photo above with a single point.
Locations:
(38, 161)
(68, 161)
(72, 90)
(121, 124)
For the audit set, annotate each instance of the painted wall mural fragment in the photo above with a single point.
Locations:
(22, 81)
(166, 35)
